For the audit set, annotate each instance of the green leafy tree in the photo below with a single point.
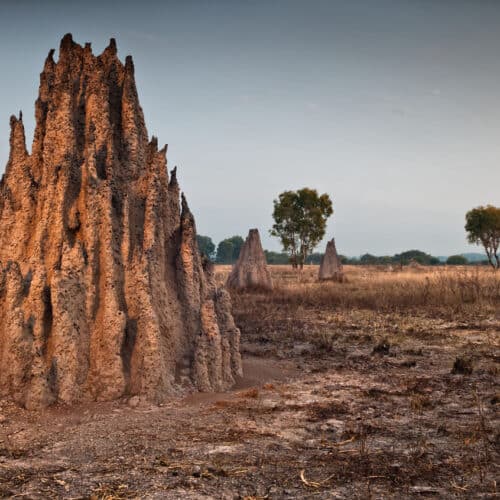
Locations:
(456, 260)
(224, 252)
(415, 256)
(483, 228)
(300, 222)
(315, 258)
(205, 245)
(276, 257)
(369, 259)
(237, 242)
(228, 250)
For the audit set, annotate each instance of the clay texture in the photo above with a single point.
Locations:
(250, 270)
(102, 289)
(331, 267)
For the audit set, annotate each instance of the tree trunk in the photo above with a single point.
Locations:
(489, 254)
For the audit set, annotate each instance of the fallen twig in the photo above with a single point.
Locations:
(313, 484)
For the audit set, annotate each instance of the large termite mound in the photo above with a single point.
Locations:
(250, 270)
(102, 289)
(331, 267)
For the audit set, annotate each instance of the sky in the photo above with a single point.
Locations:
(392, 107)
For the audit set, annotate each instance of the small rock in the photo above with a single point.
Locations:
(303, 348)
(134, 401)
(261, 491)
(269, 404)
(196, 471)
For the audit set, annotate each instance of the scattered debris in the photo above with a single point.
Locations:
(462, 365)
(382, 348)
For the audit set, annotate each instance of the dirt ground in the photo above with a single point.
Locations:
(335, 403)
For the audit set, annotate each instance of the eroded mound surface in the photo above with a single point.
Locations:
(331, 266)
(103, 292)
(250, 270)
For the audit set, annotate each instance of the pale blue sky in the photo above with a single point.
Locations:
(390, 106)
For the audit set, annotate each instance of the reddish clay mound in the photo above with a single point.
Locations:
(102, 290)
(250, 270)
(331, 267)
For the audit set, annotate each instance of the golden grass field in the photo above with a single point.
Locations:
(442, 289)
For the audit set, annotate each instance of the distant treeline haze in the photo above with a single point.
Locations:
(227, 251)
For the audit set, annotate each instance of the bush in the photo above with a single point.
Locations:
(228, 250)
(456, 260)
(276, 257)
(205, 245)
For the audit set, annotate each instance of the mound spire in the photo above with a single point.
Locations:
(250, 270)
(102, 290)
(331, 266)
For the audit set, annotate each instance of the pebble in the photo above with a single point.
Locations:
(134, 401)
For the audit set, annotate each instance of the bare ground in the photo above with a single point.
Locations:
(334, 404)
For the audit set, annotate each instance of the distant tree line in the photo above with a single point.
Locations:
(228, 250)
(300, 222)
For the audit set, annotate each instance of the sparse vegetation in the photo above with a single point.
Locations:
(381, 387)
(400, 371)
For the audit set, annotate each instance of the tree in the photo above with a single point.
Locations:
(276, 257)
(314, 258)
(228, 250)
(224, 252)
(483, 228)
(415, 256)
(368, 259)
(456, 260)
(237, 242)
(300, 222)
(205, 245)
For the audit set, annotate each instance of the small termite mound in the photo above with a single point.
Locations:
(250, 270)
(330, 268)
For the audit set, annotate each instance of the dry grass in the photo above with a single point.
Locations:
(382, 387)
(426, 338)
(441, 290)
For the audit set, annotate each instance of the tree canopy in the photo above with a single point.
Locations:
(456, 260)
(418, 256)
(228, 250)
(205, 245)
(483, 228)
(300, 222)
(276, 257)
